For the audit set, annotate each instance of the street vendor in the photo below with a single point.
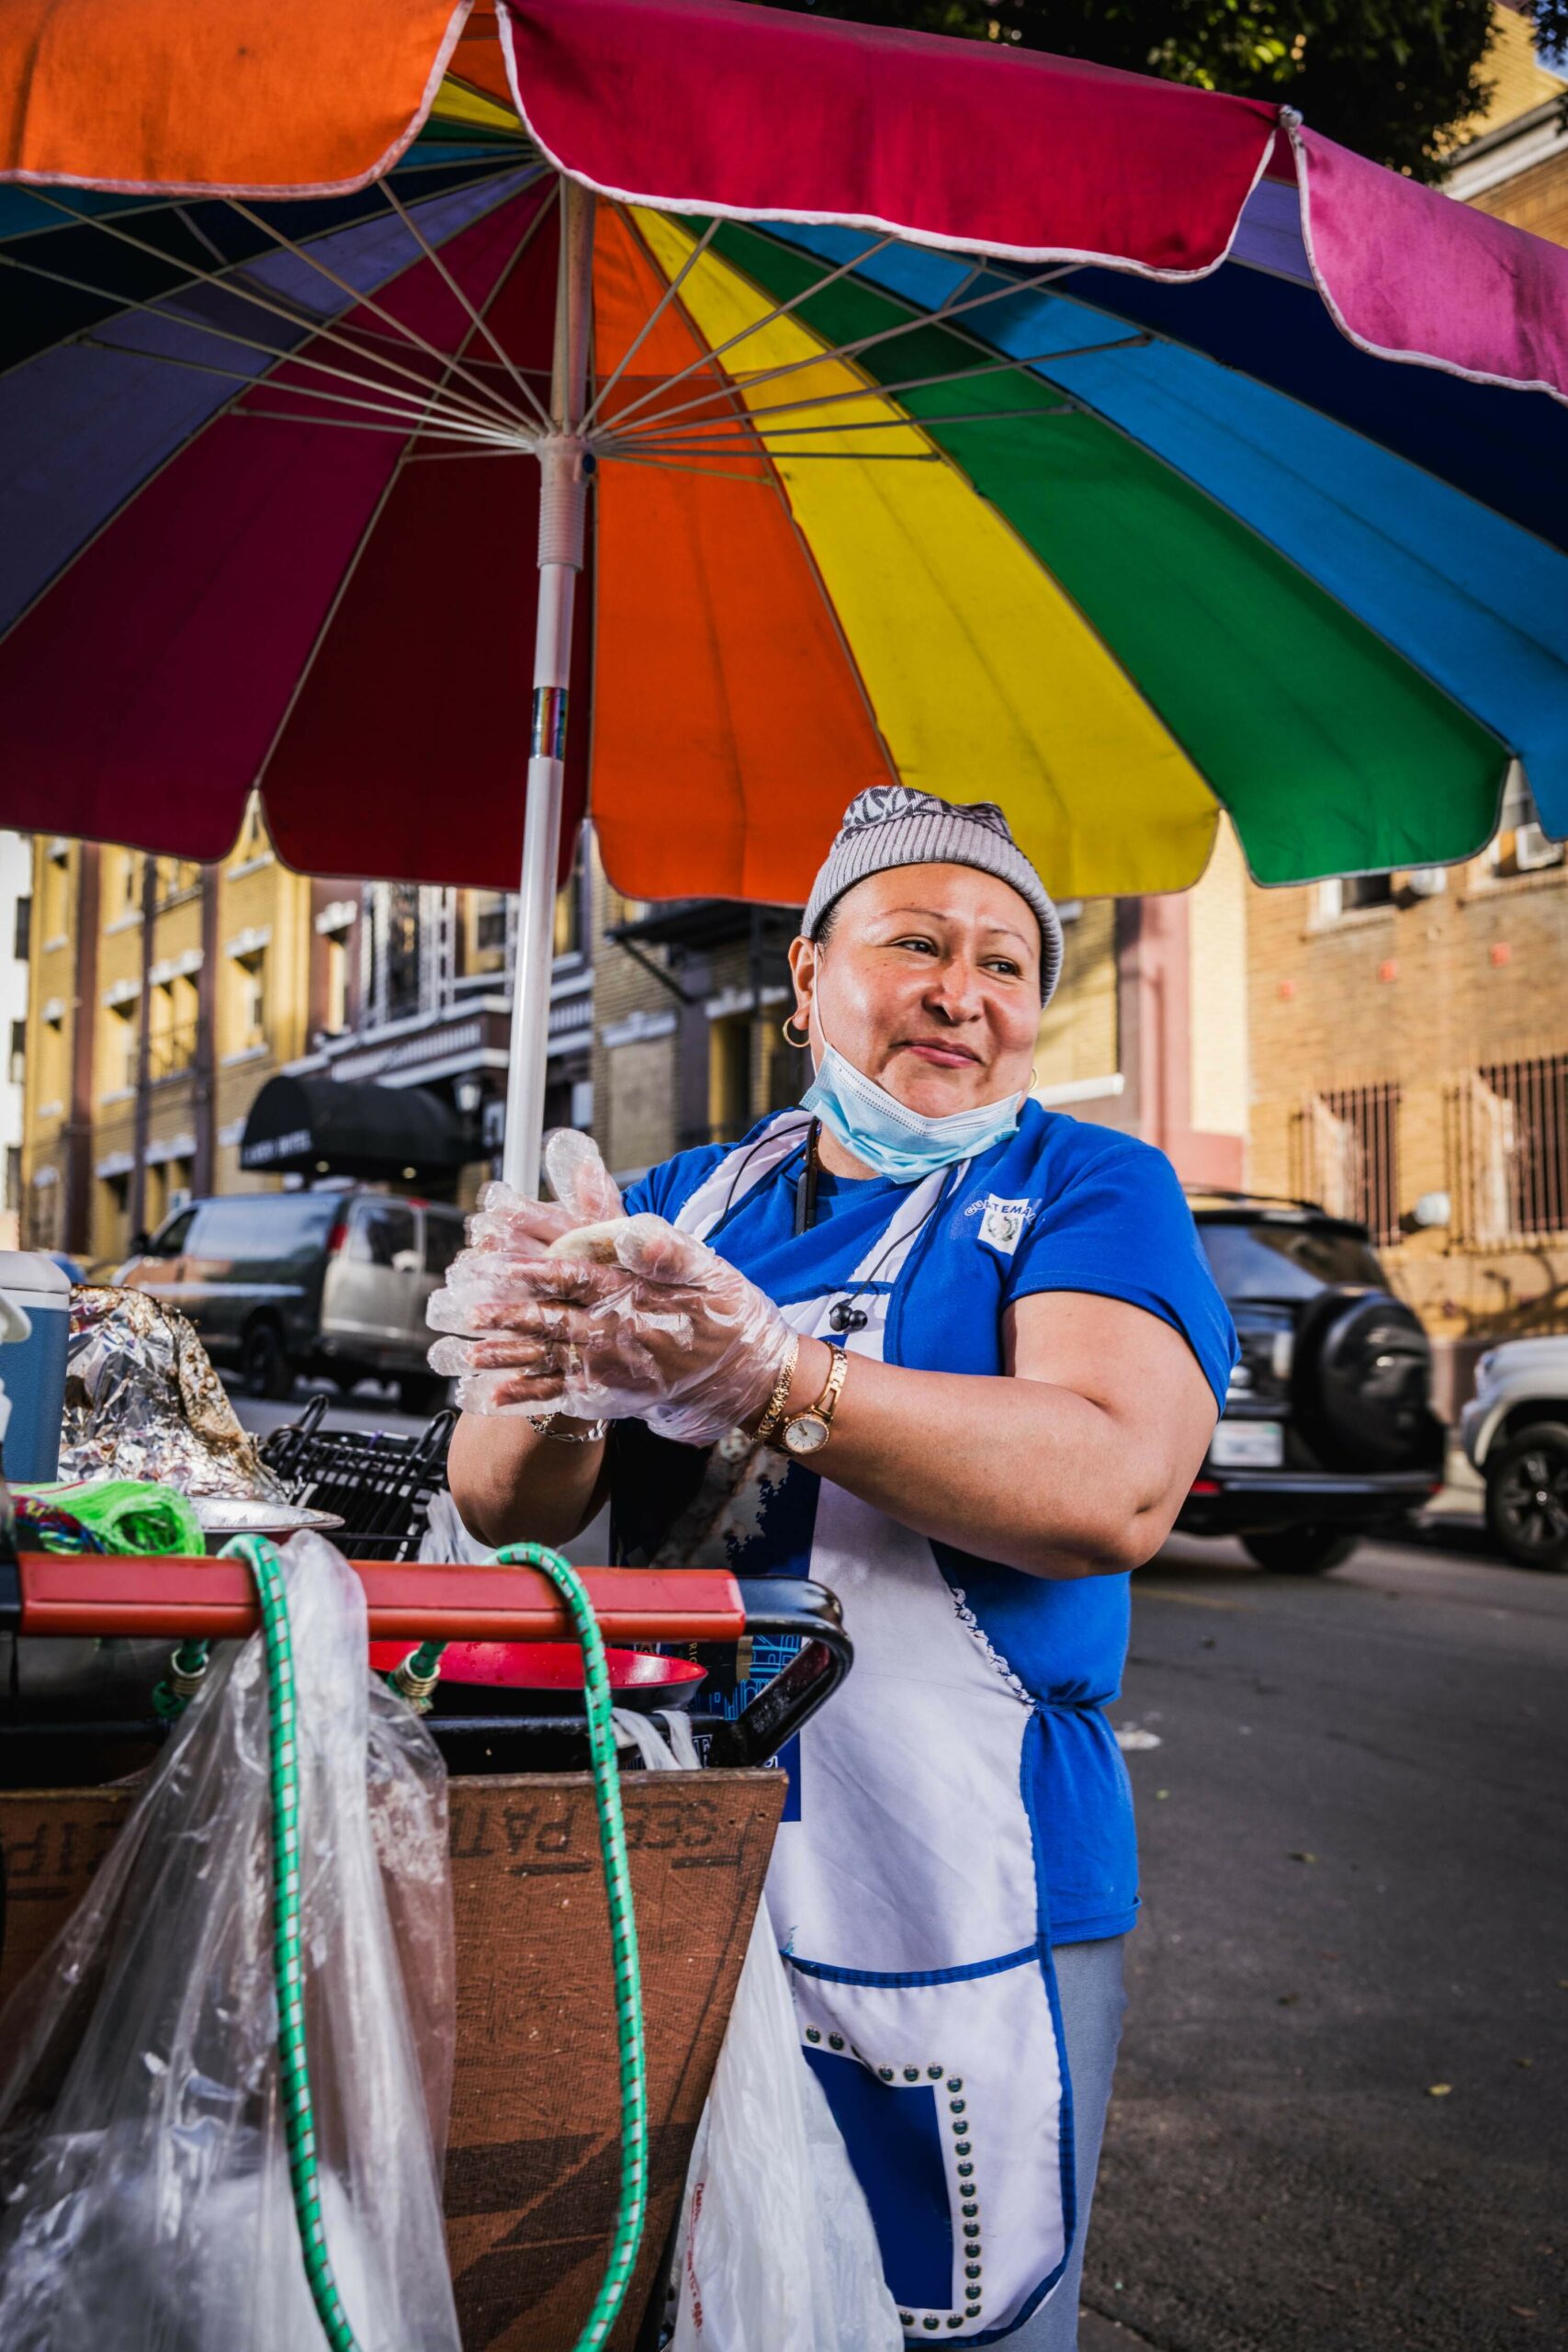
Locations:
(958, 1358)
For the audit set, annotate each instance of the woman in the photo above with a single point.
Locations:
(959, 1359)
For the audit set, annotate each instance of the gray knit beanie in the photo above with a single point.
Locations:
(891, 825)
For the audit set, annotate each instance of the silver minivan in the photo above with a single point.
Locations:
(280, 1284)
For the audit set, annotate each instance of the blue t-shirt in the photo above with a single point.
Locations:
(1058, 1205)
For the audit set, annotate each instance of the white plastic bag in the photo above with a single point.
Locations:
(144, 2195)
(777, 2252)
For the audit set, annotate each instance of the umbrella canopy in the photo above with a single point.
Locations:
(1081, 482)
(1001, 425)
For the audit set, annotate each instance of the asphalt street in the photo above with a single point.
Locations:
(1341, 2115)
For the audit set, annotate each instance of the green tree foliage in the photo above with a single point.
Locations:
(1395, 79)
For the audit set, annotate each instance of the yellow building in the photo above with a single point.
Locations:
(161, 996)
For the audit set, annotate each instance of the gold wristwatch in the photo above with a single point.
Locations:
(807, 1433)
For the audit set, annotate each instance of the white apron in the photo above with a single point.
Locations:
(905, 1897)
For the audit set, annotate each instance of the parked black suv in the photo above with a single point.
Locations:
(1329, 1433)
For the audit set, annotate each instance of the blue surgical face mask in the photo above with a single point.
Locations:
(890, 1137)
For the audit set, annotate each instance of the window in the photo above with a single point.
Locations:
(124, 1042)
(264, 1226)
(249, 1000)
(13, 1199)
(173, 1238)
(1348, 1156)
(378, 1231)
(401, 945)
(130, 881)
(729, 1076)
(1513, 1150)
(22, 937)
(335, 993)
(19, 1053)
(1521, 846)
(1283, 1260)
(442, 1239)
(1348, 892)
(489, 932)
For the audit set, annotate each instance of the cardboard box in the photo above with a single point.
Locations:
(533, 2164)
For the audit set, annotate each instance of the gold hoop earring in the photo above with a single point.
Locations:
(798, 1043)
(1033, 1076)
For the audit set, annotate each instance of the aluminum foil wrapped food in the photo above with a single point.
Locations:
(142, 1401)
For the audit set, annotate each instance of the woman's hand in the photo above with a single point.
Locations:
(626, 1318)
(585, 1194)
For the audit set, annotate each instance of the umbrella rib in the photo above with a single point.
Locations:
(644, 455)
(771, 433)
(241, 292)
(245, 342)
(541, 412)
(671, 290)
(950, 310)
(407, 426)
(779, 310)
(676, 466)
(1005, 366)
(420, 342)
(458, 420)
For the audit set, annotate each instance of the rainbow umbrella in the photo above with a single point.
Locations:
(909, 412)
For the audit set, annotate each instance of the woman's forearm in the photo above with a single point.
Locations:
(514, 1485)
(1016, 1470)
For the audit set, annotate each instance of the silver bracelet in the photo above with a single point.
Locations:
(544, 1424)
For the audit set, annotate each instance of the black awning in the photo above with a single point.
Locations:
(324, 1126)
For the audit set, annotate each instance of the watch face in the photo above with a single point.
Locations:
(805, 1435)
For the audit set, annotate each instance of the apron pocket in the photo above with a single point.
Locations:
(952, 2093)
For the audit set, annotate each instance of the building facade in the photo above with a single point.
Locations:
(423, 999)
(162, 996)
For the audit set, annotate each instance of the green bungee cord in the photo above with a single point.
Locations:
(261, 1558)
(416, 1678)
(288, 1974)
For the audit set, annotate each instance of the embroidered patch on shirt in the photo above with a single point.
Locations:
(1003, 1223)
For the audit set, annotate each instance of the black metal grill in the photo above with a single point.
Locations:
(379, 1485)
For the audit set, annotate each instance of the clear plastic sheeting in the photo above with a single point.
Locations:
(143, 2169)
(142, 1401)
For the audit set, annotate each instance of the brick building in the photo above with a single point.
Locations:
(1410, 1030)
(162, 995)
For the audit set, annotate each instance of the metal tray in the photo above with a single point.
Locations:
(225, 1515)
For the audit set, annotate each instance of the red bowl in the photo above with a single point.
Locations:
(543, 1677)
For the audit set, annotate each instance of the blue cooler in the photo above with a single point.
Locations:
(33, 1370)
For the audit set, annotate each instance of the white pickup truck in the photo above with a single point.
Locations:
(1515, 1432)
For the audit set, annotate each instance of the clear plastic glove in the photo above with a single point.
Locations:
(585, 1194)
(629, 1319)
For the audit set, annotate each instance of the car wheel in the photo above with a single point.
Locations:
(1527, 1497)
(264, 1363)
(1301, 1551)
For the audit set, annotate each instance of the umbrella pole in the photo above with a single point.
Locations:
(566, 467)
